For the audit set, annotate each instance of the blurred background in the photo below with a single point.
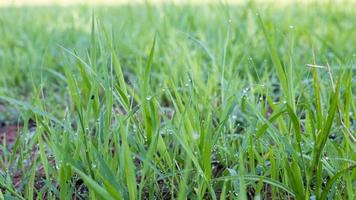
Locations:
(118, 2)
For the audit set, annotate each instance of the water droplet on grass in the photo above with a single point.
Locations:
(291, 27)
(244, 91)
(196, 135)
(170, 131)
(148, 98)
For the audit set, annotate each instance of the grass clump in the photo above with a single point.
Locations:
(179, 102)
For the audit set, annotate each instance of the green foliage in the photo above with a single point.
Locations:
(179, 101)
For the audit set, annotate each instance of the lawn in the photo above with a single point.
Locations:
(251, 100)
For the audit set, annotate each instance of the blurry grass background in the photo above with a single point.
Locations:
(118, 2)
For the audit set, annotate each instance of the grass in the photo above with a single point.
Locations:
(216, 101)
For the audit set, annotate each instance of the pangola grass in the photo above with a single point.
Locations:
(167, 101)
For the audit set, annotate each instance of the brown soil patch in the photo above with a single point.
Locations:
(8, 134)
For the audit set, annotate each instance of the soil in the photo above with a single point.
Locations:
(8, 134)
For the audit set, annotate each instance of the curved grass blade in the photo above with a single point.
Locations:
(331, 181)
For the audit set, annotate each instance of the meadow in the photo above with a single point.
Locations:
(178, 101)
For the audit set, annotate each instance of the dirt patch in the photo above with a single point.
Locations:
(8, 134)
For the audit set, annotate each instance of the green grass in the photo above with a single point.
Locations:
(250, 101)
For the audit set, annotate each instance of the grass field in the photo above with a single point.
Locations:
(165, 101)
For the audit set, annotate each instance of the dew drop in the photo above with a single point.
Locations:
(291, 27)
(148, 98)
(196, 135)
(245, 90)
